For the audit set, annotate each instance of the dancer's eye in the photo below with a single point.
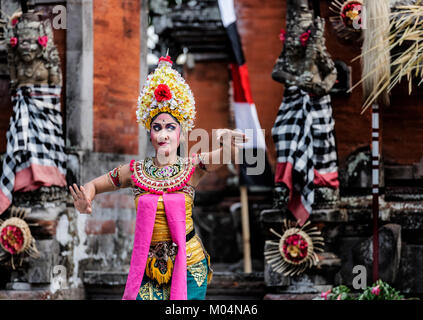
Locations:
(157, 127)
(170, 127)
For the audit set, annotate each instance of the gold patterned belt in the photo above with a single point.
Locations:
(161, 259)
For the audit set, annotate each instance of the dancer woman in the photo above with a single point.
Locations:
(168, 259)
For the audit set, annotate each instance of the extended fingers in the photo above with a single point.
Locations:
(73, 193)
(239, 138)
(236, 137)
(77, 192)
(83, 193)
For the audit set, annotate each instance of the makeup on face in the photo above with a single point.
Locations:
(165, 134)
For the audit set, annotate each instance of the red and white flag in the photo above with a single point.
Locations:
(246, 118)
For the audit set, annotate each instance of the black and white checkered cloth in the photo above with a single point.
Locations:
(304, 136)
(35, 134)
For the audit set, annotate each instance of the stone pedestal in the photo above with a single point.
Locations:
(50, 222)
(317, 279)
(40, 270)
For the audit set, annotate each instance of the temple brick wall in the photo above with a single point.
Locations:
(116, 75)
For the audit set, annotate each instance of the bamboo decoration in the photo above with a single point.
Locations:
(245, 229)
(382, 71)
(296, 250)
(376, 61)
(16, 238)
(375, 187)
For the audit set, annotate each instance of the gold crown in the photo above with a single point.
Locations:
(166, 91)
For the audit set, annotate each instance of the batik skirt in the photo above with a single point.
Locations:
(197, 277)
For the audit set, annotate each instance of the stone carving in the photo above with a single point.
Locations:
(3, 48)
(304, 129)
(33, 57)
(35, 147)
(309, 67)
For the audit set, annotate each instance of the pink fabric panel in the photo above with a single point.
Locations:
(146, 214)
(176, 217)
(174, 204)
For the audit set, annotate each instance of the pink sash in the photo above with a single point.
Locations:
(174, 204)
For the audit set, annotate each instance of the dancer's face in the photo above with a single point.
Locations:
(165, 134)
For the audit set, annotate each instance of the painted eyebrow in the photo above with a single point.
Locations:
(165, 124)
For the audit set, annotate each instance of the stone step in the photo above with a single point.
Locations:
(225, 285)
(236, 286)
(43, 294)
(290, 296)
(314, 280)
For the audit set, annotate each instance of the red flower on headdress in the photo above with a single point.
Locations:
(13, 41)
(43, 41)
(304, 38)
(162, 93)
(167, 59)
(14, 22)
(282, 35)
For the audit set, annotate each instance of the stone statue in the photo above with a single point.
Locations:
(304, 61)
(303, 130)
(32, 56)
(35, 156)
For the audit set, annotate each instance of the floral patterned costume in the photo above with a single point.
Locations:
(169, 260)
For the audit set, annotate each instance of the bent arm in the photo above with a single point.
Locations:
(215, 159)
(84, 195)
(104, 183)
(211, 161)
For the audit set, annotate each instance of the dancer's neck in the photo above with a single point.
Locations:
(164, 161)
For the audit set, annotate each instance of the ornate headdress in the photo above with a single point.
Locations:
(166, 91)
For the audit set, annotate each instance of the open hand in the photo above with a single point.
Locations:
(81, 200)
(236, 138)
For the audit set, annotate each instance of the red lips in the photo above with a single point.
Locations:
(162, 143)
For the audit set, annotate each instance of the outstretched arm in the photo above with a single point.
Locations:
(84, 195)
(230, 142)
